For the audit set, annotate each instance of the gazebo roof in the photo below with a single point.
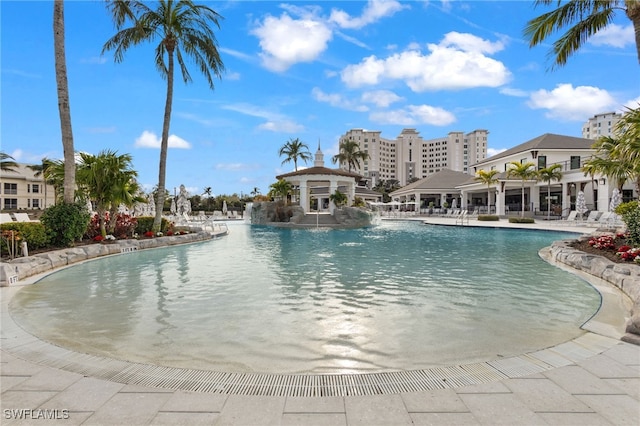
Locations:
(321, 171)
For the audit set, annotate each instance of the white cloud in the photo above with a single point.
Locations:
(286, 41)
(631, 104)
(373, 12)
(459, 61)
(381, 98)
(615, 36)
(231, 166)
(284, 126)
(509, 91)
(566, 102)
(493, 151)
(336, 100)
(149, 140)
(414, 115)
(94, 60)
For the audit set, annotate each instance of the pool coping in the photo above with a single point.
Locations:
(602, 332)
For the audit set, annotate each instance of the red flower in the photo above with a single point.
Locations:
(622, 249)
(98, 238)
(148, 234)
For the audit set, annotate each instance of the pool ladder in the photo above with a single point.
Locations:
(464, 216)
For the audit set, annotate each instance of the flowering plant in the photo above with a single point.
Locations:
(631, 254)
(149, 234)
(602, 242)
(98, 238)
(158, 234)
(169, 233)
(110, 238)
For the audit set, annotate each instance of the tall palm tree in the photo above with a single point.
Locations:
(524, 172)
(608, 161)
(489, 179)
(106, 179)
(41, 170)
(350, 154)
(293, 150)
(7, 163)
(183, 30)
(63, 102)
(256, 191)
(549, 174)
(628, 131)
(584, 19)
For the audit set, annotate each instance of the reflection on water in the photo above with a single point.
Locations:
(396, 296)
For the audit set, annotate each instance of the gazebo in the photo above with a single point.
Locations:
(317, 183)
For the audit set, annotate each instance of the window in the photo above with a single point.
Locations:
(542, 162)
(35, 203)
(575, 162)
(10, 203)
(11, 188)
(35, 188)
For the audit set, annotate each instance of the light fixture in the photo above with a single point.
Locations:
(602, 181)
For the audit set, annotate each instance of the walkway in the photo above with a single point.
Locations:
(593, 380)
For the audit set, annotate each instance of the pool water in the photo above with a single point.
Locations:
(402, 295)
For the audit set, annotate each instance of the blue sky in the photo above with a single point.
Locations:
(304, 69)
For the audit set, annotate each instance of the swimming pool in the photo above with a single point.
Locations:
(401, 295)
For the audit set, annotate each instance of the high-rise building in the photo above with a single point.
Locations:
(410, 157)
(600, 125)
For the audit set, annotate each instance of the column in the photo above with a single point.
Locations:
(333, 185)
(304, 196)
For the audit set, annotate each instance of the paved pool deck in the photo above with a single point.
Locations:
(591, 380)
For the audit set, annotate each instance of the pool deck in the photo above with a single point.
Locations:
(592, 380)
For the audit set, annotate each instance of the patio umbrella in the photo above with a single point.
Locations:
(454, 203)
(616, 199)
(224, 207)
(173, 206)
(581, 204)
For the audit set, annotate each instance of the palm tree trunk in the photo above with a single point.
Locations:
(633, 12)
(522, 213)
(488, 199)
(549, 201)
(164, 144)
(63, 102)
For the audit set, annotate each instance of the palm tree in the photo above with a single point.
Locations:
(64, 109)
(608, 161)
(293, 150)
(549, 174)
(584, 19)
(256, 191)
(41, 170)
(338, 198)
(489, 179)
(107, 178)
(184, 29)
(628, 132)
(280, 189)
(6, 163)
(524, 172)
(350, 154)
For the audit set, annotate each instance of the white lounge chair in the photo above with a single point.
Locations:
(23, 217)
(5, 218)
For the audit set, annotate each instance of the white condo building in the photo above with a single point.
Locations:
(410, 157)
(600, 125)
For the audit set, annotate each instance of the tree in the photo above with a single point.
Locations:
(54, 175)
(549, 174)
(338, 198)
(488, 178)
(584, 19)
(524, 172)
(293, 150)
(109, 180)
(6, 163)
(184, 31)
(350, 154)
(64, 109)
(41, 170)
(256, 191)
(280, 189)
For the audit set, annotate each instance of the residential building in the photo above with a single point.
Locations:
(410, 157)
(600, 125)
(23, 190)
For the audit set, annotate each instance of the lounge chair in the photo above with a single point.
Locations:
(593, 217)
(5, 218)
(572, 216)
(23, 217)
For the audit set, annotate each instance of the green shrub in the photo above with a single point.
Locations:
(65, 223)
(521, 220)
(34, 233)
(145, 224)
(488, 217)
(625, 208)
(631, 218)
